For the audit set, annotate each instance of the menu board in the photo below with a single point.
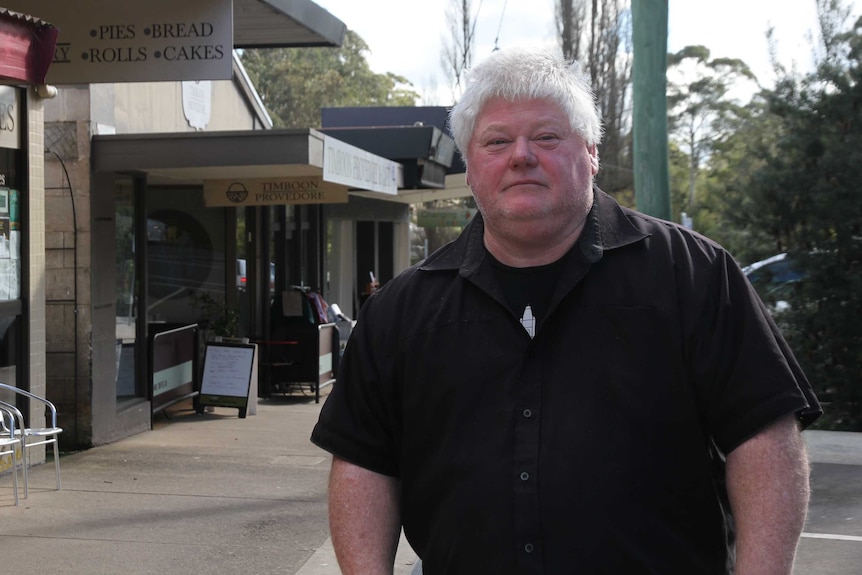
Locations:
(227, 373)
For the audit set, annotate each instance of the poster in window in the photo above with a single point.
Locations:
(14, 226)
(5, 247)
(5, 227)
(10, 265)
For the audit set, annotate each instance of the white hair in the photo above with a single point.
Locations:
(518, 73)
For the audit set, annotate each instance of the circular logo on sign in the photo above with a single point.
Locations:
(236, 193)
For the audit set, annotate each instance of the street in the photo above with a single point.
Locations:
(832, 540)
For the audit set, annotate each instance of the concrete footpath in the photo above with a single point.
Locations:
(207, 493)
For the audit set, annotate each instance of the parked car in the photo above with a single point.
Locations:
(776, 279)
(242, 278)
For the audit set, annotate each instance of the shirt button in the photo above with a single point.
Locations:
(524, 476)
(528, 547)
(528, 413)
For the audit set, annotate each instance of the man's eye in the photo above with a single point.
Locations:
(496, 142)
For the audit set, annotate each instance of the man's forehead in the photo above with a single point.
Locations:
(524, 105)
(500, 114)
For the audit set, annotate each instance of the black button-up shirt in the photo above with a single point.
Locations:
(587, 448)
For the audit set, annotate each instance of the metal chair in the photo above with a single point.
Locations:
(10, 443)
(43, 435)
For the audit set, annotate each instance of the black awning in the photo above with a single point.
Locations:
(284, 24)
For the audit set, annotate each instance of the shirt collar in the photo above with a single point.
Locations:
(607, 227)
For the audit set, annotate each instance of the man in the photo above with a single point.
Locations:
(570, 386)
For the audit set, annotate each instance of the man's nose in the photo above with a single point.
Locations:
(522, 153)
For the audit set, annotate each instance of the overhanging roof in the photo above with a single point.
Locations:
(190, 158)
(284, 24)
(258, 23)
(424, 151)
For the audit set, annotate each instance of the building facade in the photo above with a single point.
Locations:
(27, 46)
(125, 230)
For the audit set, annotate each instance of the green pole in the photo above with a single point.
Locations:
(649, 118)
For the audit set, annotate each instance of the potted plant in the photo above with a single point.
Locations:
(222, 320)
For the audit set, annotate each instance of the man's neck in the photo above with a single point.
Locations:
(536, 252)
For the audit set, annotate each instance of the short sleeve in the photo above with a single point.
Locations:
(745, 373)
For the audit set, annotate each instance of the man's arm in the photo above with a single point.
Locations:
(767, 483)
(364, 519)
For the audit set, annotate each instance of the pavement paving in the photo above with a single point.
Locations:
(213, 493)
(209, 493)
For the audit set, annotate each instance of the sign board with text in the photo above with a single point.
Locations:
(173, 354)
(152, 41)
(272, 192)
(227, 374)
(354, 167)
(10, 118)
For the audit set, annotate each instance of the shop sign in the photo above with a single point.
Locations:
(10, 119)
(272, 192)
(356, 168)
(444, 217)
(126, 41)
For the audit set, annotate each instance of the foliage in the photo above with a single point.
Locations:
(801, 186)
(221, 319)
(295, 83)
(700, 109)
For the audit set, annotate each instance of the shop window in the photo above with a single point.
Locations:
(11, 354)
(185, 257)
(10, 229)
(126, 324)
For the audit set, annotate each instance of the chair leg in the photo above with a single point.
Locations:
(24, 466)
(57, 462)
(15, 474)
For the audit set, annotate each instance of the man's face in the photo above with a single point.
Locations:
(530, 173)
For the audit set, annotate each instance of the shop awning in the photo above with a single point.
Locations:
(133, 41)
(284, 24)
(195, 158)
(28, 47)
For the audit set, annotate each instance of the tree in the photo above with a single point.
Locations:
(456, 57)
(295, 83)
(598, 35)
(700, 108)
(457, 54)
(804, 195)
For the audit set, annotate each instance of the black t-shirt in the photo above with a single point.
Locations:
(586, 448)
(530, 287)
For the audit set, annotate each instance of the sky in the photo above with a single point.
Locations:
(406, 37)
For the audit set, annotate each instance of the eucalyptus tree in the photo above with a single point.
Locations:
(804, 195)
(295, 83)
(701, 106)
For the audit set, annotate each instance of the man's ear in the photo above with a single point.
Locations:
(594, 158)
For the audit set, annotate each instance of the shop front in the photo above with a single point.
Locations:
(161, 198)
(240, 218)
(27, 47)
